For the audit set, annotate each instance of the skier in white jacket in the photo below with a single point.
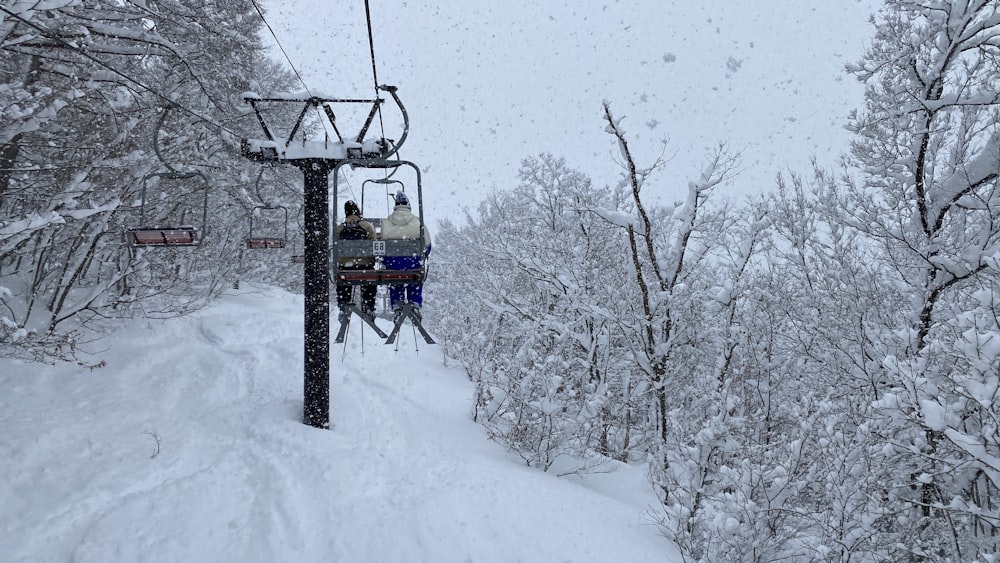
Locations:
(403, 224)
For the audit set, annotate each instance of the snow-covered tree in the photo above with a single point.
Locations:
(928, 144)
(83, 88)
(545, 269)
(666, 247)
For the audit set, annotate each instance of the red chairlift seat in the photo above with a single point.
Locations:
(164, 236)
(380, 277)
(265, 242)
(184, 235)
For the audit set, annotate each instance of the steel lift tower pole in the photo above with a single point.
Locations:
(316, 383)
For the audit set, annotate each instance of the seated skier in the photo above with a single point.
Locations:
(402, 224)
(355, 228)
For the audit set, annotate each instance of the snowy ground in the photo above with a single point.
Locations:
(187, 447)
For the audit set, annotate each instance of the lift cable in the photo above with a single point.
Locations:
(172, 103)
(280, 46)
(260, 12)
(371, 43)
(371, 49)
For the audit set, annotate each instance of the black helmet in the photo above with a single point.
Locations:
(351, 208)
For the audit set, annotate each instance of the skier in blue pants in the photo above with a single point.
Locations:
(402, 224)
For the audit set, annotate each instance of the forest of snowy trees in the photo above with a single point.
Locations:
(810, 375)
(83, 87)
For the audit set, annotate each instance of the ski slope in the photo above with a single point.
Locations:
(186, 446)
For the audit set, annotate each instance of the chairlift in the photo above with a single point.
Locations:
(171, 234)
(381, 249)
(378, 248)
(256, 240)
(298, 254)
(298, 248)
(279, 214)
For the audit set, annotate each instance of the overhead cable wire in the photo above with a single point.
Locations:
(371, 43)
(260, 12)
(371, 50)
(280, 46)
(50, 35)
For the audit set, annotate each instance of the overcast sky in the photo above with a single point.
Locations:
(489, 83)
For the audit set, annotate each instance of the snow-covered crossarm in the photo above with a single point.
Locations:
(264, 150)
(294, 143)
(306, 97)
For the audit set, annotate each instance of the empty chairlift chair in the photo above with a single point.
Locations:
(270, 235)
(189, 200)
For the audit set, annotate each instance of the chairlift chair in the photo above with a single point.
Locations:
(169, 235)
(256, 241)
(381, 249)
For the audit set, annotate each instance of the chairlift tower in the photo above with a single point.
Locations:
(316, 159)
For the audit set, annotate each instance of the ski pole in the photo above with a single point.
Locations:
(343, 355)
